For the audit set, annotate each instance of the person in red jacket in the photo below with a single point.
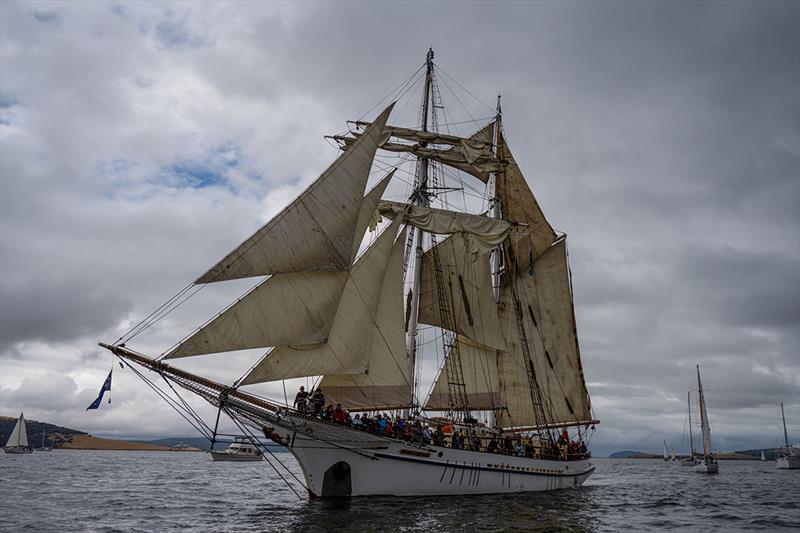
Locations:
(339, 415)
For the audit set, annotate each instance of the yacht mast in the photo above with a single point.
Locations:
(785, 434)
(704, 419)
(691, 438)
(419, 197)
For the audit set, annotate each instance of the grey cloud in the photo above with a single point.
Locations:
(662, 137)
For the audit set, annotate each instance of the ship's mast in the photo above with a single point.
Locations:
(691, 438)
(785, 434)
(420, 196)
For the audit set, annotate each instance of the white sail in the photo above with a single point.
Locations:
(481, 233)
(479, 369)
(316, 231)
(386, 383)
(294, 308)
(19, 435)
(469, 292)
(346, 350)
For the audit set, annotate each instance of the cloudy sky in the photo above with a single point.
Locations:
(139, 142)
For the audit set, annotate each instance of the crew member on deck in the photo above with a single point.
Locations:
(301, 400)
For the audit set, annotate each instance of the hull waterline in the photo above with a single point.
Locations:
(343, 462)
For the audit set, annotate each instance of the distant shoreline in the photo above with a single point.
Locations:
(88, 442)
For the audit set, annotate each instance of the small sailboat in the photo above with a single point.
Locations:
(241, 449)
(763, 457)
(709, 465)
(44, 448)
(18, 441)
(666, 456)
(672, 456)
(788, 460)
(691, 460)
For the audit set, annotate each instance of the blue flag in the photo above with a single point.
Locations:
(106, 387)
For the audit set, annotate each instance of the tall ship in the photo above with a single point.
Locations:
(507, 408)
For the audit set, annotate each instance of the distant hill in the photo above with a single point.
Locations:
(203, 443)
(623, 454)
(54, 435)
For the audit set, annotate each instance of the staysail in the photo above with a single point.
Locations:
(316, 231)
(289, 308)
(349, 348)
(386, 384)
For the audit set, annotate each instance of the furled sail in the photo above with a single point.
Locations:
(347, 349)
(481, 233)
(472, 154)
(520, 206)
(316, 231)
(479, 369)
(468, 288)
(293, 308)
(545, 299)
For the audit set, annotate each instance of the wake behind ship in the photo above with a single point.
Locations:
(508, 410)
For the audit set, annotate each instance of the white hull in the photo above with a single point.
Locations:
(344, 462)
(17, 451)
(225, 456)
(707, 468)
(791, 462)
(690, 462)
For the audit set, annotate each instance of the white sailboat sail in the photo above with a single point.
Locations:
(19, 435)
(705, 428)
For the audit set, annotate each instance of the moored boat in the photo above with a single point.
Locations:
(241, 449)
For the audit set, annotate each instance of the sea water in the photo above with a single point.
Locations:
(75, 490)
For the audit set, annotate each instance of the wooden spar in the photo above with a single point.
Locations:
(158, 366)
(554, 425)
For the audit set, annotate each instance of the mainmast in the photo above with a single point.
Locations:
(419, 197)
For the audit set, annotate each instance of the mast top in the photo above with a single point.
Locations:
(429, 57)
